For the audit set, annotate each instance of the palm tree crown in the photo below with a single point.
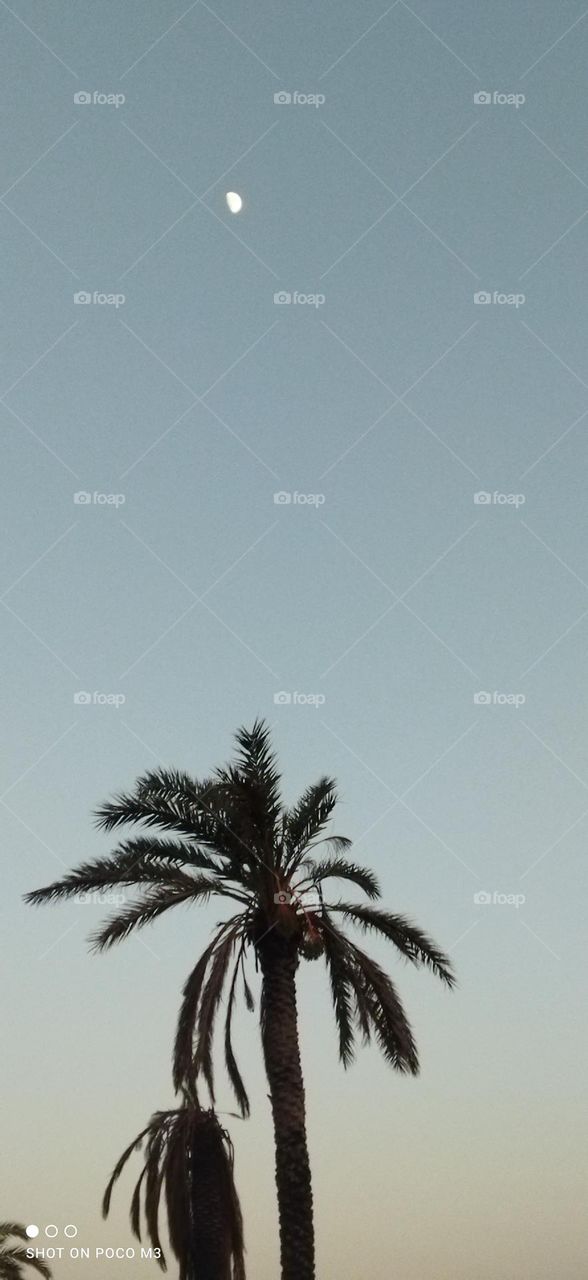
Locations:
(234, 839)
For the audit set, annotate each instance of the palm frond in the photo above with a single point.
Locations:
(155, 1165)
(415, 945)
(119, 1166)
(231, 1062)
(339, 844)
(257, 763)
(247, 992)
(136, 862)
(201, 809)
(144, 910)
(135, 1209)
(12, 1229)
(183, 1055)
(308, 818)
(389, 1020)
(18, 1258)
(189, 1157)
(209, 1003)
(161, 799)
(341, 992)
(336, 868)
(10, 1269)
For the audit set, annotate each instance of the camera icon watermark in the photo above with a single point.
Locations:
(84, 299)
(307, 899)
(96, 699)
(496, 899)
(286, 698)
(97, 99)
(485, 499)
(85, 499)
(498, 699)
(283, 298)
(483, 298)
(298, 99)
(285, 499)
(496, 99)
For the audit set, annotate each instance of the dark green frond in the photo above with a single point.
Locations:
(9, 1268)
(13, 1258)
(410, 941)
(136, 862)
(308, 818)
(12, 1229)
(17, 1258)
(335, 868)
(377, 1005)
(153, 904)
(341, 991)
(390, 1023)
(181, 853)
(339, 844)
(256, 762)
(161, 799)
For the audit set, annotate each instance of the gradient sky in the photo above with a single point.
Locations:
(396, 598)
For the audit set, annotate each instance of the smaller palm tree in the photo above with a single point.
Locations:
(189, 1157)
(13, 1258)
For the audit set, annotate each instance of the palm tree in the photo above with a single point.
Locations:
(232, 837)
(189, 1157)
(13, 1258)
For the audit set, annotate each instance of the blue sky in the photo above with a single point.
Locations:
(325, 344)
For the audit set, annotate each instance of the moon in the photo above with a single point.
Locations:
(234, 201)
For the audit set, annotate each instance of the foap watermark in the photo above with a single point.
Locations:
(496, 899)
(485, 298)
(485, 499)
(96, 699)
(298, 99)
(494, 98)
(497, 699)
(285, 499)
(303, 899)
(85, 499)
(84, 299)
(102, 898)
(97, 99)
(286, 299)
(294, 699)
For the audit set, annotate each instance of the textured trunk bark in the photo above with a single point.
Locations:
(210, 1229)
(279, 962)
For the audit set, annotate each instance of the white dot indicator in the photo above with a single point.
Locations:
(32, 1231)
(70, 1230)
(51, 1230)
(234, 201)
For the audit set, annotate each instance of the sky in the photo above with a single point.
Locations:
(323, 462)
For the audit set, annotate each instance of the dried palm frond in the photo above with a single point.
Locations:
(189, 1161)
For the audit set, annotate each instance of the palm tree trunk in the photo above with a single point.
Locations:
(279, 1029)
